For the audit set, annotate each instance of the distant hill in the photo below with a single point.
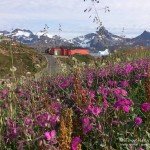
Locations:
(25, 59)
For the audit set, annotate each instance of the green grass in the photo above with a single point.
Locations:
(24, 59)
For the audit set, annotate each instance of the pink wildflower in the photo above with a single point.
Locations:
(124, 84)
(128, 68)
(145, 107)
(95, 110)
(105, 105)
(123, 104)
(86, 125)
(50, 135)
(126, 108)
(28, 121)
(120, 91)
(75, 142)
(138, 120)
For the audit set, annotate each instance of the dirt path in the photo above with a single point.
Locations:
(53, 68)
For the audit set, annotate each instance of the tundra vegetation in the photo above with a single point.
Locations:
(104, 105)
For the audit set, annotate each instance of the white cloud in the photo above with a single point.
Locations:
(131, 14)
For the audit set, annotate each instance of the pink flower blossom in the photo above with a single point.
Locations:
(95, 110)
(112, 83)
(128, 68)
(120, 92)
(28, 121)
(138, 120)
(105, 105)
(103, 90)
(124, 84)
(145, 107)
(126, 108)
(4, 93)
(123, 104)
(86, 125)
(56, 106)
(75, 142)
(50, 135)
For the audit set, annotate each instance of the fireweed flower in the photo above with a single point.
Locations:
(63, 82)
(50, 135)
(103, 90)
(123, 104)
(112, 83)
(75, 142)
(95, 110)
(104, 73)
(120, 91)
(86, 125)
(126, 108)
(105, 105)
(4, 93)
(145, 107)
(43, 119)
(28, 121)
(90, 77)
(12, 129)
(54, 119)
(128, 68)
(56, 106)
(124, 84)
(138, 120)
(92, 95)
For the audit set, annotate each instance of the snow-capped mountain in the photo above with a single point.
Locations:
(98, 41)
(42, 33)
(24, 36)
(95, 42)
(103, 39)
(45, 42)
(39, 40)
(19, 32)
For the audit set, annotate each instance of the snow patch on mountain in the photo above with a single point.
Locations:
(22, 33)
(39, 34)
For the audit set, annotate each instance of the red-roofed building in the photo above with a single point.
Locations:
(67, 52)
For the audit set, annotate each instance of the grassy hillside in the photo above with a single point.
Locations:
(24, 58)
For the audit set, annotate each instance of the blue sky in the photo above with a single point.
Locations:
(133, 15)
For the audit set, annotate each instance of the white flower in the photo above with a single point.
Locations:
(83, 63)
(74, 59)
(103, 64)
(118, 59)
(37, 66)
(13, 69)
(28, 73)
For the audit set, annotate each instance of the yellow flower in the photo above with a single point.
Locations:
(118, 59)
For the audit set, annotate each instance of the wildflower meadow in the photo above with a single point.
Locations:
(99, 107)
